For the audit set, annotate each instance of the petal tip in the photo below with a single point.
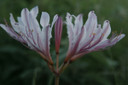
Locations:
(122, 35)
(107, 21)
(92, 14)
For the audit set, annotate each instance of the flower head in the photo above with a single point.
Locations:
(83, 39)
(28, 31)
(89, 37)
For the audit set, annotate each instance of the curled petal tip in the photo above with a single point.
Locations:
(25, 9)
(107, 21)
(92, 14)
(92, 11)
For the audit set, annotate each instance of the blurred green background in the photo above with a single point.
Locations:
(21, 66)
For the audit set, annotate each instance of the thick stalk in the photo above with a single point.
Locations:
(57, 62)
(57, 80)
(57, 69)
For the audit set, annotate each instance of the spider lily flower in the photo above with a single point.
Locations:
(89, 37)
(28, 31)
(58, 33)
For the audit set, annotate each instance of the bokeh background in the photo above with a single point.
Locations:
(21, 66)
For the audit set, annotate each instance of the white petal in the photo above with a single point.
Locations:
(34, 24)
(78, 24)
(108, 42)
(21, 25)
(97, 32)
(19, 20)
(54, 20)
(91, 23)
(44, 21)
(34, 11)
(4, 27)
(35, 28)
(69, 26)
(45, 37)
(69, 20)
(97, 37)
(79, 19)
(70, 31)
(117, 39)
(12, 19)
(12, 33)
(25, 16)
(14, 24)
(90, 29)
(121, 36)
(106, 29)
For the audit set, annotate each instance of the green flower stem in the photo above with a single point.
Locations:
(57, 69)
(57, 80)
(63, 67)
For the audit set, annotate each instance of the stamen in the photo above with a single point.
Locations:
(93, 33)
(21, 33)
(102, 34)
